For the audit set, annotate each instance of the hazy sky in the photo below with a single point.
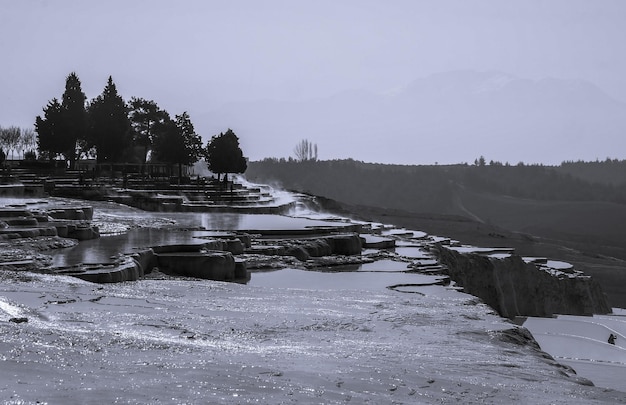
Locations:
(197, 55)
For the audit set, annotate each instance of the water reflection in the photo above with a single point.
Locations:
(100, 250)
(245, 222)
(221, 221)
(237, 222)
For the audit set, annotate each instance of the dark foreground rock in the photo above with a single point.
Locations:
(212, 265)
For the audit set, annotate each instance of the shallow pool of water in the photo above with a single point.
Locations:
(412, 252)
(241, 222)
(102, 249)
(322, 280)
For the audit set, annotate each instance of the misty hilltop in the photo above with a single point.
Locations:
(448, 117)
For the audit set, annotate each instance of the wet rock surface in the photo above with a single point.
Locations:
(43, 219)
(176, 338)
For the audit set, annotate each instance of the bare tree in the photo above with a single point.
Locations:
(305, 150)
(10, 138)
(28, 141)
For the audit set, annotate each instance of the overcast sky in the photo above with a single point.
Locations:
(197, 55)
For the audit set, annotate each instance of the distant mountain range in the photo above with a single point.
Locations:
(449, 117)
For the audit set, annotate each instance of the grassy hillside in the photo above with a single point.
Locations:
(556, 212)
(591, 222)
(434, 188)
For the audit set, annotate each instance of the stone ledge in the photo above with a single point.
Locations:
(514, 287)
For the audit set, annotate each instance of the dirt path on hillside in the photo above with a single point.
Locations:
(458, 203)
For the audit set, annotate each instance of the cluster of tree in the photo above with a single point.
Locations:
(427, 188)
(481, 161)
(609, 171)
(112, 131)
(538, 182)
(16, 139)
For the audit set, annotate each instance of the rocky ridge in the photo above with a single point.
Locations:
(517, 287)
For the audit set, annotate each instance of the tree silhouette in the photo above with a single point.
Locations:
(144, 116)
(109, 126)
(63, 124)
(28, 141)
(74, 118)
(49, 128)
(10, 138)
(305, 150)
(176, 142)
(224, 155)
(480, 161)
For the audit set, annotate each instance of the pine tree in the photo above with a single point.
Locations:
(64, 123)
(49, 128)
(110, 131)
(177, 142)
(73, 118)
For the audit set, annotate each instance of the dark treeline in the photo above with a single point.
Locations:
(358, 183)
(109, 130)
(433, 188)
(605, 172)
(539, 183)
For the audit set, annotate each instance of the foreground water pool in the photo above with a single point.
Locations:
(335, 281)
(101, 250)
(120, 234)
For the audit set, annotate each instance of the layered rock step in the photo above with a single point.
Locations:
(125, 269)
(161, 196)
(64, 221)
(192, 260)
(151, 194)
